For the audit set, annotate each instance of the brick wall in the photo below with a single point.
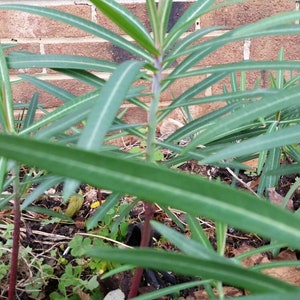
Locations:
(40, 35)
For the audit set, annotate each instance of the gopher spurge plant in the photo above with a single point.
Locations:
(162, 57)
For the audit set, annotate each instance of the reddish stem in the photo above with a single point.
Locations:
(145, 240)
(15, 251)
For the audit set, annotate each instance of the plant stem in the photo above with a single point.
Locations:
(150, 157)
(16, 237)
(152, 119)
(145, 241)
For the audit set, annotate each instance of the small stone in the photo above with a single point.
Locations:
(115, 295)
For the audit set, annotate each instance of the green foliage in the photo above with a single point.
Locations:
(261, 122)
(37, 270)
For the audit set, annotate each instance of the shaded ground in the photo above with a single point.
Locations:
(46, 249)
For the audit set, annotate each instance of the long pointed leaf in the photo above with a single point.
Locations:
(6, 98)
(129, 23)
(59, 61)
(104, 111)
(186, 21)
(252, 111)
(188, 265)
(110, 99)
(246, 65)
(159, 185)
(276, 139)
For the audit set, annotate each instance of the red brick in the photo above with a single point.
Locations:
(16, 24)
(229, 53)
(267, 48)
(99, 50)
(135, 115)
(246, 12)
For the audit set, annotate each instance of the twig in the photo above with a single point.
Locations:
(103, 238)
(241, 181)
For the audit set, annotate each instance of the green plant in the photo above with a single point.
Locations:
(36, 273)
(92, 162)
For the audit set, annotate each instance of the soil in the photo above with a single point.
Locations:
(49, 240)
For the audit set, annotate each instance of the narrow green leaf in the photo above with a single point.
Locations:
(192, 266)
(82, 102)
(188, 246)
(251, 112)
(101, 211)
(110, 99)
(129, 23)
(199, 124)
(272, 163)
(280, 73)
(6, 98)
(159, 185)
(246, 65)
(285, 170)
(174, 289)
(197, 232)
(3, 172)
(60, 125)
(185, 65)
(83, 76)
(228, 97)
(49, 88)
(282, 137)
(184, 43)
(29, 118)
(164, 10)
(221, 234)
(186, 20)
(193, 91)
(272, 296)
(104, 111)
(59, 61)
(47, 183)
(263, 154)
(154, 21)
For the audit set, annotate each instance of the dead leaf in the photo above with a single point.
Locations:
(228, 292)
(169, 126)
(251, 260)
(287, 274)
(277, 199)
(82, 295)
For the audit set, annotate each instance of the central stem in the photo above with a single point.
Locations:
(16, 236)
(152, 119)
(150, 157)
